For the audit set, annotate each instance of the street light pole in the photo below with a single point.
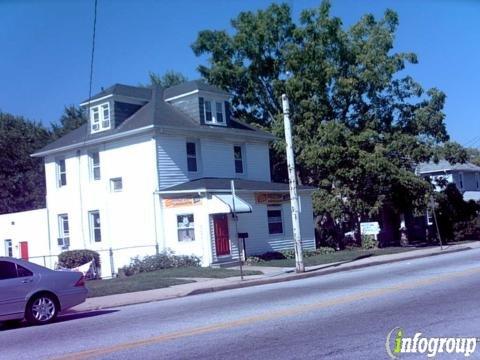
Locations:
(300, 267)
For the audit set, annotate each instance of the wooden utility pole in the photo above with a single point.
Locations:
(300, 267)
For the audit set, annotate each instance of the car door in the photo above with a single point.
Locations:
(15, 284)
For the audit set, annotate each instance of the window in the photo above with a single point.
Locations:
(208, 111)
(275, 224)
(8, 270)
(186, 227)
(100, 117)
(460, 180)
(477, 180)
(61, 172)
(116, 184)
(23, 272)
(63, 231)
(237, 155)
(94, 165)
(192, 156)
(219, 114)
(95, 231)
(214, 112)
(8, 248)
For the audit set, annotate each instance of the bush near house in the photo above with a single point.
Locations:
(73, 258)
(287, 254)
(164, 260)
(369, 242)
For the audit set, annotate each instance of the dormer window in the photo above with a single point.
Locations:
(214, 112)
(100, 117)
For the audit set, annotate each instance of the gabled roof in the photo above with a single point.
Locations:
(190, 86)
(445, 166)
(156, 113)
(124, 90)
(223, 185)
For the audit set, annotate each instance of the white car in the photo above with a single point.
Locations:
(35, 293)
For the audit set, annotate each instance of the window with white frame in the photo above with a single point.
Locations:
(460, 180)
(63, 230)
(100, 117)
(186, 227)
(238, 158)
(95, 165)
(275, 223)
(61, 171)
(477, 180)
(214, 112)
(8, 248)
(192, 156)
(95, 228)
(116, 184)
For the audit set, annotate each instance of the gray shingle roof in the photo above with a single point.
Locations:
(155, 113)
(444, 165)
(124, 90)
(190, 86)
(221, 184)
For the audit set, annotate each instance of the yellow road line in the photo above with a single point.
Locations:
(92, 353)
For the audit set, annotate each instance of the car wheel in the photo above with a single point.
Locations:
(41, 309)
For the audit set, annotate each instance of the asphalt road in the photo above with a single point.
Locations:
(339, 316)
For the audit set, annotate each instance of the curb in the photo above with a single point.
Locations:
(317, 272)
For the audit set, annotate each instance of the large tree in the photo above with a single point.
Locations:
(72, 118)
(22, 183)
(360, 122)
(169, 78)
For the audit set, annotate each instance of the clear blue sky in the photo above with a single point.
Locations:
(45, 47)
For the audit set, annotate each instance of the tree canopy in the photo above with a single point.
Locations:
(361, 123)
(169, 78)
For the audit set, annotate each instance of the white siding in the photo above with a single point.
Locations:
(258, 162)
(172, 160)
(30, 227)
(127, 217)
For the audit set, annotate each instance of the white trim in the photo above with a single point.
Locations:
(182, 95)
(205, 191)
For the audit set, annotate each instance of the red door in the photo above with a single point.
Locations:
(24, 250)
(222, 242)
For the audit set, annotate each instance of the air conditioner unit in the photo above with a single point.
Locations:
(64, 243)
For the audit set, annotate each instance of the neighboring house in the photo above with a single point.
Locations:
(465, 176)
(151, 171)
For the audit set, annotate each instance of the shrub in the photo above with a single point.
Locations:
(164, 260)
(73, 258)
(324, 250)
(369, 242)
(252, 260)
(288, 254)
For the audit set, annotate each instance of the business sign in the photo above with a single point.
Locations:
(173, 203)
(271, 198)
(369, 228)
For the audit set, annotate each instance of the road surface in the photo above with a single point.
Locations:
(338, 316)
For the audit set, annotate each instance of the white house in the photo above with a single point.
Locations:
(465, 176)
(151, 171)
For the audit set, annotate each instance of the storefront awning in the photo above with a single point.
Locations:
(226, 204)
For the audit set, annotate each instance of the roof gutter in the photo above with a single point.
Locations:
(204, 190)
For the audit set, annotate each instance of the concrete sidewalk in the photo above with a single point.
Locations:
(270, 275)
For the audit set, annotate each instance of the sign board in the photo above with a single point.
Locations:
(369, 228)
(243, 235)
(271, 198)
(173, 203)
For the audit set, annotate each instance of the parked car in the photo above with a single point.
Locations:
(35, 293)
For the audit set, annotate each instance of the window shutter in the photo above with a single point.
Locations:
(201, 110)
(227, 113)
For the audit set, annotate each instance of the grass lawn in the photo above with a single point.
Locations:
(338, 256)
(157, 279)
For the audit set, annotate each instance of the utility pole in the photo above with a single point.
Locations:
(292, 180)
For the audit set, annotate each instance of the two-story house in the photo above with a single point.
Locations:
(465, 176)
(152, 171)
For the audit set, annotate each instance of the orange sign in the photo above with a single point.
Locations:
(271, 198)
(173, 203)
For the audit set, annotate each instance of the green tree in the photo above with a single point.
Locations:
(360, 123)
(22, 183)
(473, 155)
(72, 118)
(169, 78)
